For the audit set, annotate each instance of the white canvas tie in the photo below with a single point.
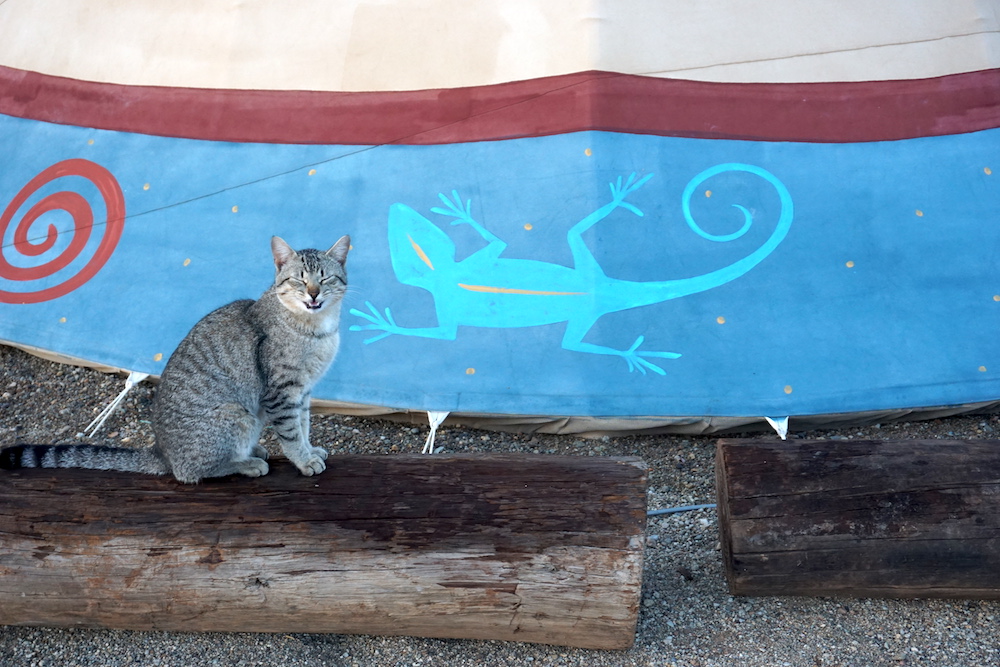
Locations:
(132, 380)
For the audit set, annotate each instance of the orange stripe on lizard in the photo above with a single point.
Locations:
(420, 252)
(512, 290)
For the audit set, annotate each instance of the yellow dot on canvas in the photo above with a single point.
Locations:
(788, 388)
(312, 172)
(996, 297)
(470, 371)
(720, 319)
(529, 227)
(920, 213)
(588, 152)
(982, 369)
(187, 262)
(708, 193)
(90, 142)
(62, 320)
(849, 264)
(236, 209)
(158, 356)
(145, 186)
(987, 171)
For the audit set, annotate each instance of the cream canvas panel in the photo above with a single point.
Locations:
(794, 41)
(368, 45)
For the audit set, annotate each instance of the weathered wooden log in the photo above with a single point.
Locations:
(916, 518)
(519, 547)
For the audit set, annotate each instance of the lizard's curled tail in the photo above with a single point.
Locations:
(741, 266)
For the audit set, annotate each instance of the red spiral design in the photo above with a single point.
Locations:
(83, 224)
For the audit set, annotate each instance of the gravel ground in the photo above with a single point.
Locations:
(687, 617)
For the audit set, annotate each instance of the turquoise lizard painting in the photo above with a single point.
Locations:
(488, 290)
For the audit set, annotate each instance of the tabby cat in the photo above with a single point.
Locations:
(242, 367)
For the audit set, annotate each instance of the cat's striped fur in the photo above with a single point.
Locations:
(95, 457)
(243, 366)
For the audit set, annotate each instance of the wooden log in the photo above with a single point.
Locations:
(915, 518)
(518, 547)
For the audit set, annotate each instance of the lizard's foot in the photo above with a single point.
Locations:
(455, 209)
(634, 358)
(386, 324)
(619, 191)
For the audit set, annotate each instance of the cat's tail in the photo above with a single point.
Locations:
(93, 457)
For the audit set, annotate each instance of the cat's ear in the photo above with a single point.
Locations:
(282, 252)
(339, 249)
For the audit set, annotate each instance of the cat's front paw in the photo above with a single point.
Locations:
(320, 452)
(260, 452)
(313, 466)
(254, 467)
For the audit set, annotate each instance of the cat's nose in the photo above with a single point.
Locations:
(313, 291)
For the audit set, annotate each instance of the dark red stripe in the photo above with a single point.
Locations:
(820, 112)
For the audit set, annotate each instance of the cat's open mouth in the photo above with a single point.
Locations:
(313, 306)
